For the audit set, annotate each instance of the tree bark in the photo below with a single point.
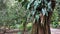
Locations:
(24, 28)
(34, 28)
(43, 25)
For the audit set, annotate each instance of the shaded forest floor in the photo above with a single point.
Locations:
(15, 31)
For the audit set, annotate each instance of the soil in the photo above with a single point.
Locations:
(15, 31)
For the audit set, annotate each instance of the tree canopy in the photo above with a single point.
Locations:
(19, 11)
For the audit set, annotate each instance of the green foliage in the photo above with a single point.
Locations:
(29, 26)
(2, 4)
(55, 24)
(15, 13)
(21, 27)
(56, 15)
(38, 6)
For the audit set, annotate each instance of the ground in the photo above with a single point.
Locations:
(14, 31)
(55, 31)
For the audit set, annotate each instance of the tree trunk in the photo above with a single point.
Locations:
(37, 28)
(24, 28)
(47, 26)
(43, 25)
(34, 28)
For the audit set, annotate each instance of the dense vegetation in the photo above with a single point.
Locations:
(14, 14)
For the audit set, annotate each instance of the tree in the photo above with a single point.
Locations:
(10, 13)
(41, 10)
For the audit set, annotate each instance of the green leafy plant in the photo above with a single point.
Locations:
(37, 6)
